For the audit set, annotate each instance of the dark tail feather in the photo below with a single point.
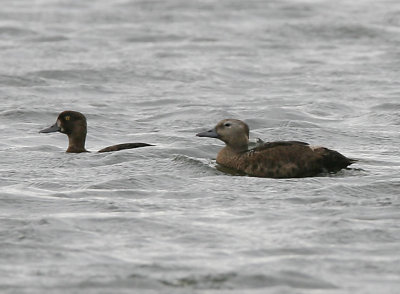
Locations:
(334, 161)
(124, 146)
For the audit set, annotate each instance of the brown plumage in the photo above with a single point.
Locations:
(73, 124)
(281, 159)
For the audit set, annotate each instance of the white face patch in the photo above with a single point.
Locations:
(59, 125)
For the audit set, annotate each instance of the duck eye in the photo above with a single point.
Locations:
(227, 124)
(67, 117)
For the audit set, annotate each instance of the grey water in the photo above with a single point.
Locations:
(165, 219)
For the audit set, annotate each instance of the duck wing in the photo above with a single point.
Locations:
(281, 159)
(268, 145)
(292, 159)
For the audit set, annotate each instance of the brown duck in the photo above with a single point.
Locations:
(281, 159)
(73, 124)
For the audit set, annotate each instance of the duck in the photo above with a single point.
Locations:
(74, 125)
(278, 159)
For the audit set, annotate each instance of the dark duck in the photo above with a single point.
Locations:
(73, 124)
(280, 159)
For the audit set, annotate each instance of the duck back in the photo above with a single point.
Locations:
(283, 159)
(124, 146)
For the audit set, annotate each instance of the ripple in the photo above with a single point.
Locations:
(11, 31)
(20, 81)
(242, 281)
(50, 39)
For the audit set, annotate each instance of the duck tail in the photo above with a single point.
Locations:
(334, 161)
(352, 160)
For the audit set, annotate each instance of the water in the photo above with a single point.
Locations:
(164, 219)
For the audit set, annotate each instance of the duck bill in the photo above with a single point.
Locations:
(210, 133)
(52, 129)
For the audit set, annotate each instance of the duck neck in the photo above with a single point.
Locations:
(76, 142)
(237, 148)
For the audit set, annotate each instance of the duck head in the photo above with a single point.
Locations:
(235, 134)
(73, 124)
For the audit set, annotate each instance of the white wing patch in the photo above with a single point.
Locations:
(313, 148)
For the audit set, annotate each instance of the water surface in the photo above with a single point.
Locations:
(164, 219)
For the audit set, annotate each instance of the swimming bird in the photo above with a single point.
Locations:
(73, 124)
(280, 159)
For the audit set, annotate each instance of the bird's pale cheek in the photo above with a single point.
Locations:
(62, 130)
